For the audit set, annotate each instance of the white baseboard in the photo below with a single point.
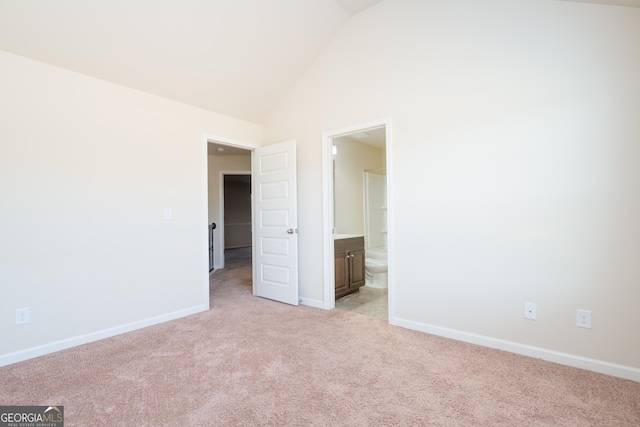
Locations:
(41, 350)
(620, 371)
(312, 302)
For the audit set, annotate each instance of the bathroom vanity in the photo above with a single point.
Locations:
(349, 263)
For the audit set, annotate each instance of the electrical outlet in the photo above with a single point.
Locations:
(530, 311)
(584, 318)
(22, 316)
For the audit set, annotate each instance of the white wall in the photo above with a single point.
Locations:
(86, 169)
(514, 152)
(351, 160)
(217, 164)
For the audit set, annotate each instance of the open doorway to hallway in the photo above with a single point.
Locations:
(236, 211)
(229, 199)
(274, 236)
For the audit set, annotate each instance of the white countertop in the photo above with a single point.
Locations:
(346, 236)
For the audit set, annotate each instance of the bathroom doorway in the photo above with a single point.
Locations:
(357, 213)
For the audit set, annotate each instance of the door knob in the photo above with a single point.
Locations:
(290, 231)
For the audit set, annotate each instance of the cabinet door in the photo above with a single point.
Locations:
(357, 268)
(342, 274)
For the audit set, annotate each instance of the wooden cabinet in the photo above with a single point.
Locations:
(349, 265)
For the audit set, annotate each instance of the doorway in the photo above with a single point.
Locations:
(231, 164)
(273, 224)
(353, 158)
(236, 211)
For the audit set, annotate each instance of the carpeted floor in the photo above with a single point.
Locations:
(250, 361)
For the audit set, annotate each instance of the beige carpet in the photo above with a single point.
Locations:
(250, 361)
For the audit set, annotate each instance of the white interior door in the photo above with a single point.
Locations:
(275, 256)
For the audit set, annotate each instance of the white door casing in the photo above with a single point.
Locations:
(275, 241)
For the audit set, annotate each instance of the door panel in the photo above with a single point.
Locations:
(341, 269)
(357, 268)
(276, 240)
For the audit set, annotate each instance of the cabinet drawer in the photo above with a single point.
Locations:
(350, 244)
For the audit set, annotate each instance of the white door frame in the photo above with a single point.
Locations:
(327, 204)
(206, 139)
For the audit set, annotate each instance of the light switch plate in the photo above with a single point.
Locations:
(530, 311)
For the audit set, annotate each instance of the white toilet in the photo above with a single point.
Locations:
(375, 268)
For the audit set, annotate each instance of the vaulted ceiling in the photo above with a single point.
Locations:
(234, 57)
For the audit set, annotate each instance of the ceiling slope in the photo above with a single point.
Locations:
(234, 57)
